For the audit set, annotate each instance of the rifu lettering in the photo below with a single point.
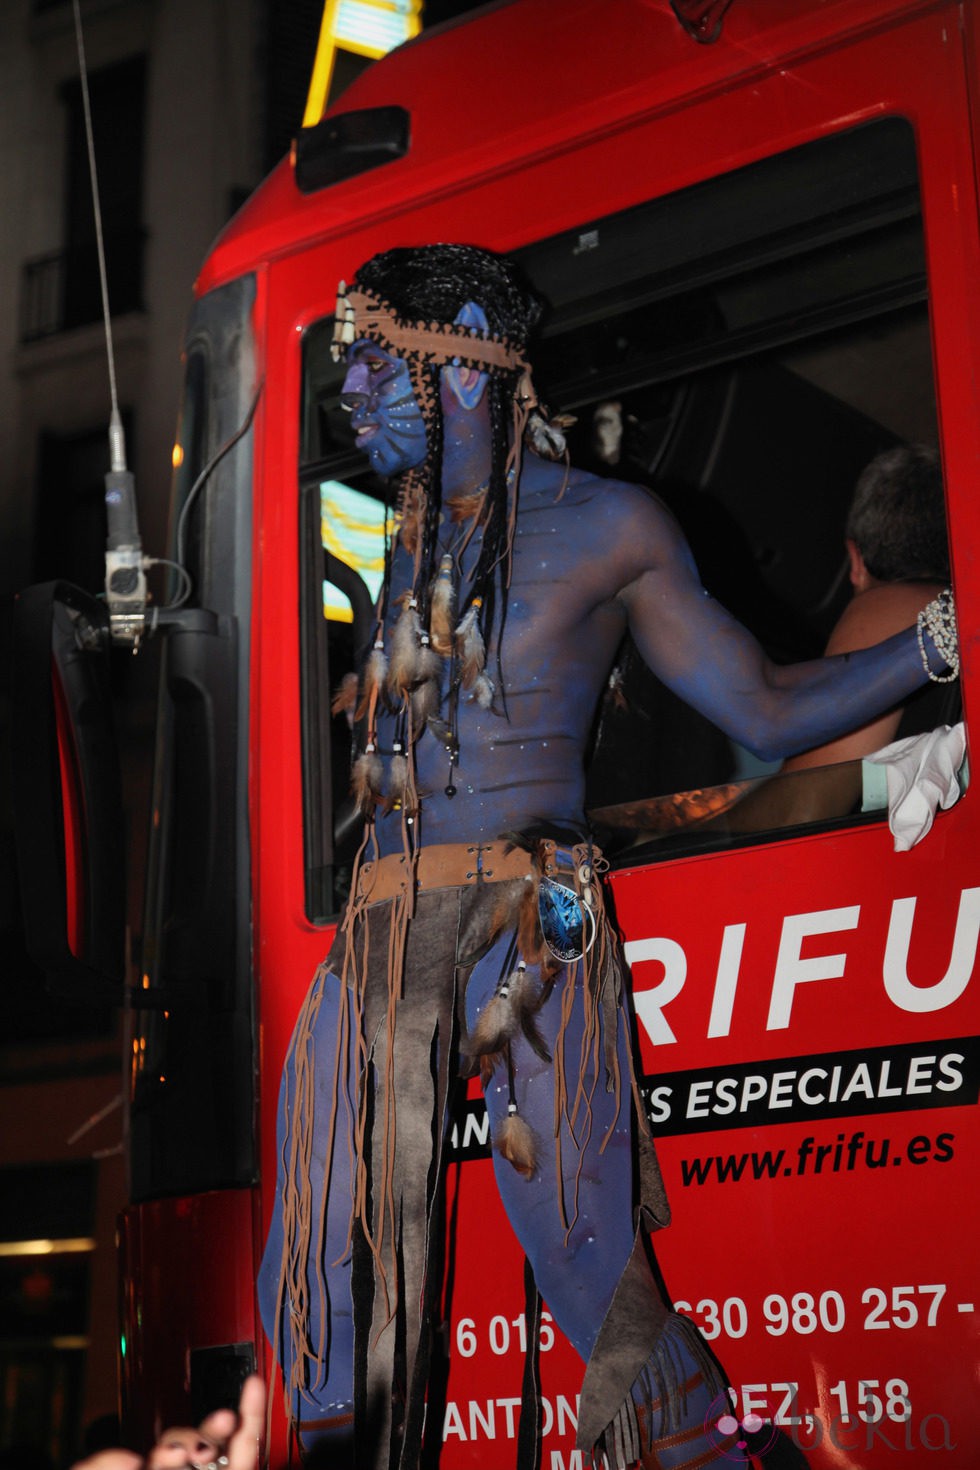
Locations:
(812, 948)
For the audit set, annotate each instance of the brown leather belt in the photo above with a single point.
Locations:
(445, 865)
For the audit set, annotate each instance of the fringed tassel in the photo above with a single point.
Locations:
(680, 1362)
(366, 781)
(470, 648)
(443, 615)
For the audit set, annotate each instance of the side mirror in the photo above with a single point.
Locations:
(67, 802)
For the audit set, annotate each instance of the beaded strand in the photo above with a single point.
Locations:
(938, 619)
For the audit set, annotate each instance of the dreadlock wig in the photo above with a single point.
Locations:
(407, 301)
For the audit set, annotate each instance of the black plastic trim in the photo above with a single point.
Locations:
(348, 144)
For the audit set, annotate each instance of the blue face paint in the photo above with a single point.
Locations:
(385, 416)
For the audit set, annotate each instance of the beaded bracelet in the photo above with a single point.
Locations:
(938, 619)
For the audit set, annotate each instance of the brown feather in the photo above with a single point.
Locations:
(428, 665)
(487, 1064)
(617, 690)
(482, 691)
(443, 616)
(375, 672)
(502, 914)
(514, 1141)
(344, 696)
(366, 781)
(410, 521)
(546, 435)
(465, 507)
(441, 730)
(532, 1033)
(403, 664)
(424, 700)
(497, 1024)
(530, 940)
(470, 647)
(397, 783)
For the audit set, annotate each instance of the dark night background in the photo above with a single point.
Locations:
(193, 101)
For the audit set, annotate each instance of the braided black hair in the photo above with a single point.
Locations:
(432, 284)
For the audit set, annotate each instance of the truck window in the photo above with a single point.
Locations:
(742, 348)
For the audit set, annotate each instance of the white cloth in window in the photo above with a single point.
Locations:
(922, 773)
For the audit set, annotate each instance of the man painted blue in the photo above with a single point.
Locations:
(510, 588)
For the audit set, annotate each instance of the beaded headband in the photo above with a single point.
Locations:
(361, 315)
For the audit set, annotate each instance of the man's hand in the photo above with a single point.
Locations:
(217, 1436)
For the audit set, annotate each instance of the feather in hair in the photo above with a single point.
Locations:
(470, 646)
(443, 614)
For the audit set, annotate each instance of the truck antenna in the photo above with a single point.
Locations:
(125, 582)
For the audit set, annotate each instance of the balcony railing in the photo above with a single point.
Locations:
(61, 290)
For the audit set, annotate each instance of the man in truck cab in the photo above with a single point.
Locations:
(475, 939)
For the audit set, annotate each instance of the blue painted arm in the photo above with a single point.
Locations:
(716, 665)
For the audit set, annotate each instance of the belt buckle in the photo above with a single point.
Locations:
(479, 874)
